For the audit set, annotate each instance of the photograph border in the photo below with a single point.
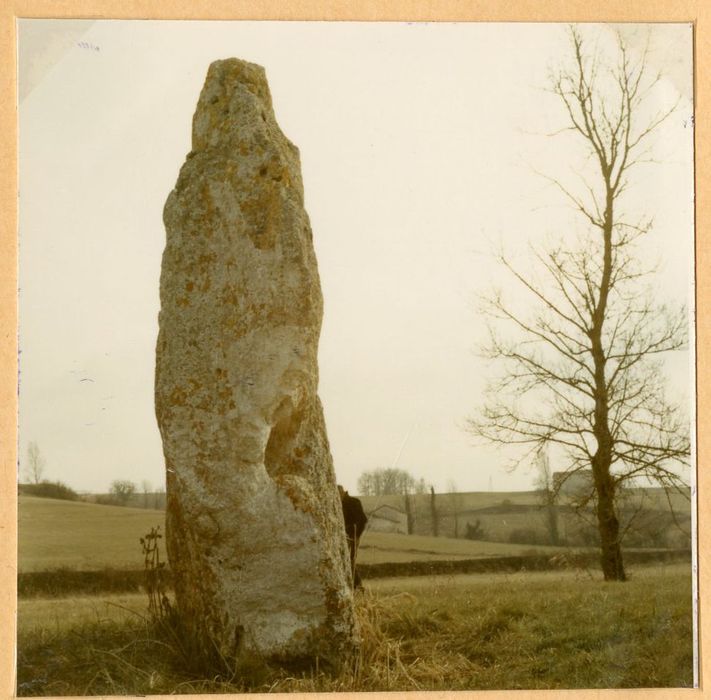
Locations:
(697, 12)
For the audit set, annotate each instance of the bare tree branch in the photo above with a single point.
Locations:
(579, 370)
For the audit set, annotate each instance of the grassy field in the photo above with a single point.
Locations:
(86, 536)
(77, 535)
(529, 630)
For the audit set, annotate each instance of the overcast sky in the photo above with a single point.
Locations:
(418, 144)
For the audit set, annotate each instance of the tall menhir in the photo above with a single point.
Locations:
(255, 533)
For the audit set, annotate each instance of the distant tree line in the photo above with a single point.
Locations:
(123, 492)
(48, 489)
(394, 482)
(389, 482)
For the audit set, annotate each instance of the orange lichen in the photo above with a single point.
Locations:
(178, 397)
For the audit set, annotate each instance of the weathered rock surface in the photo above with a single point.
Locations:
(254, 527)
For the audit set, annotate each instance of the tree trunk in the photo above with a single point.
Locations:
(433, 511)
(552, 519)
(608, 524)
(409, 514)
(608, 527)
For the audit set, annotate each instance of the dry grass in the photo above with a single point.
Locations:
(53, 615)
(538, 630)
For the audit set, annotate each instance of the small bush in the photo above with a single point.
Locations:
(475, 531)
(49, 489)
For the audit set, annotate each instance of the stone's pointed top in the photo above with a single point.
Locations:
(234, 63)
(236, 70)
(235, 98)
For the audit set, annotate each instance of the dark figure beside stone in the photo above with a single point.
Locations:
(355, 520)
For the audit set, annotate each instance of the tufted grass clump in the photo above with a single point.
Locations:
(559, 629)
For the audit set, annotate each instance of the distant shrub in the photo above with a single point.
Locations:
(475, 531)
(49, 489)
(106, 499)
(654, 537)
(655, 529)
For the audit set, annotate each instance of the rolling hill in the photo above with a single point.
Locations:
(86, 536)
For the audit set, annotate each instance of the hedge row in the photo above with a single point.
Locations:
(65, 582)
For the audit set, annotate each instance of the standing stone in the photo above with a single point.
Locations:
(255, 532)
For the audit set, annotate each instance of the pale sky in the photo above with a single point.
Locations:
(418, 145)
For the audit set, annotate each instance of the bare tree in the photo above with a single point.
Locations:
(434, 515)
(582, 371)
(409, 511)
(146, 487)
(122, 490)
(455, 504)
(548, 494)
(35, 463)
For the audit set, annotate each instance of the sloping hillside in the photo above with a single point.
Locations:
(521, 517)
(55, 533)
(87, 536)
(380, 547)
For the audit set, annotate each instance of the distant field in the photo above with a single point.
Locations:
(465, 501)
(87, 536)
(84, 535)
(78, 535)
(519, 516)
(651, 497)
(378, 547)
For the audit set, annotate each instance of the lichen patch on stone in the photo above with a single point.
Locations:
(254, 526)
